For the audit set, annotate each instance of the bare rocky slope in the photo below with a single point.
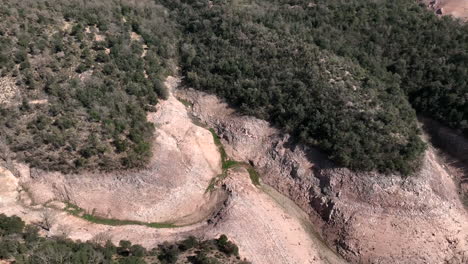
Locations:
(366, 217)
(267, 226)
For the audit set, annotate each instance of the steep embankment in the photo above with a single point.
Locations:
(453, 143)
(368, 218)
(170, 189)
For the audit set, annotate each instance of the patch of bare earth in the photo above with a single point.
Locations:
(456, 8)
(38, 102)
(8, 91)
(138, 38)
(67, 26)
(267, 226)
(453, 149)
(367, 217)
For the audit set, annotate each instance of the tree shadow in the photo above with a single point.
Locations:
(454, 147)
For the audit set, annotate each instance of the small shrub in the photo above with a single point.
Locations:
(10, 225)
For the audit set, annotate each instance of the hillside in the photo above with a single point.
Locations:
(344, 76)
(77, 80)
(307, 131)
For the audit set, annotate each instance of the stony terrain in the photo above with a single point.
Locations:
(368, 218)
(268, 227)
(455, 152)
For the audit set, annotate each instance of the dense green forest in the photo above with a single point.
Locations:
(98, 64)
(22, 243)
(336, 74)
(346, 76)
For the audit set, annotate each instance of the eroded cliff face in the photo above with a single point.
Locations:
(366, 217)
(8, 187)
(172, 188)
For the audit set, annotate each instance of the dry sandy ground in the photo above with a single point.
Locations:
(267, 227)
(456, 8)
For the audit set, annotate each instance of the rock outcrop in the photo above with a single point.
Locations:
(453, 143)
(366, 217)
(8, 188)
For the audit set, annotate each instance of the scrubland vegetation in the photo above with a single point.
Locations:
(99, 64)
(346, 76)
(22, 243)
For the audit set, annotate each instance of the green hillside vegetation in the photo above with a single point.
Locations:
(81, 57)
(22, 243)
(346, 76)
(335, 74)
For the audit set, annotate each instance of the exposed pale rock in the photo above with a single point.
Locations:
(171, 189)
(8, 187)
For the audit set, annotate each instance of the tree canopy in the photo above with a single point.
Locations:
(97, 67)
(23, 244)
(346, 76)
